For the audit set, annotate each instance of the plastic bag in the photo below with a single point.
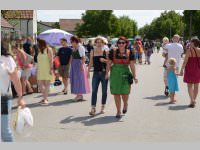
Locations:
(23, 120)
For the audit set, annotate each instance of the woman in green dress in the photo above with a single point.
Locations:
(120, 76)
(44, 69)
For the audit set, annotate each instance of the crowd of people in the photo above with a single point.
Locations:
(110, 63)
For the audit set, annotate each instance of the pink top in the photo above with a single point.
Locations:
(19, 61)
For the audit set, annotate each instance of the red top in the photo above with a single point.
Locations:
(192, 69)
(121, 60)
(19, 61)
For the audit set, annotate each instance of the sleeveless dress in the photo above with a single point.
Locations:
(78, 79)
(192, 70)
(119, 74)
(43, 66)
(172, 81)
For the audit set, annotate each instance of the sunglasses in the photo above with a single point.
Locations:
(121, 43)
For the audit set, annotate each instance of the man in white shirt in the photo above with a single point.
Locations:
(173, 50)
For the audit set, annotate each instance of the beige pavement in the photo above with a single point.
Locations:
(149, 117)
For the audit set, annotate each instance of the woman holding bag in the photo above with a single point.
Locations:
(120, 75)
(191, 69)
(44, 69)
(8, 71)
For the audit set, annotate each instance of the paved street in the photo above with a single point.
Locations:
(149, 119)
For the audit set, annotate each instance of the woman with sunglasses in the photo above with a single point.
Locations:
(120, 76)
(78, 72)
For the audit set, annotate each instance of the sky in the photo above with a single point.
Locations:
(142, 17)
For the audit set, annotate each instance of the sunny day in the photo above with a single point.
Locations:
(100, 75)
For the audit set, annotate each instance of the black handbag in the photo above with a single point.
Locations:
(4, 103)
(130, 78)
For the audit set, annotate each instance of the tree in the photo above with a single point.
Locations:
(98, 22)
(168, 24)
(127, 27)
(105, 23)
(56, 25)
(191, 17)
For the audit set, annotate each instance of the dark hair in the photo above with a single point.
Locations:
(195, 41)
(124, 39)
(42, 45)
(63, 39)
(75, 39)
(4, 51)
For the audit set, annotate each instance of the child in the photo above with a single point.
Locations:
(172, 79)
(164, 54)
(165, 42)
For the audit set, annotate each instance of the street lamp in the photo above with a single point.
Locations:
(190, 24)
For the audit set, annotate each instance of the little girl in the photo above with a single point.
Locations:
(172, 79)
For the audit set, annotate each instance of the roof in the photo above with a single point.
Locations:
(23, 14)
(49, 24)
(69, 24)
(5, 23)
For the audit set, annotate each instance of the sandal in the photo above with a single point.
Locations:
(118, 116)
(45, 102)
(172, 102)
(102, 109)
(42, 101)
(125, 109)
(192, 105)
(92, 112)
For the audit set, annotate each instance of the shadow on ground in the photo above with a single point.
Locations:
(180, 107)
(56, 103)
(162, 104)
(90, 121)
(157, 97)
(50, 95)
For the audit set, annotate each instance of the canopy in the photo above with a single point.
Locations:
(53, 36)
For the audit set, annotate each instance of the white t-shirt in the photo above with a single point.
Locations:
(7, 65)
(106, 48)
(81, 50)
(174, 50)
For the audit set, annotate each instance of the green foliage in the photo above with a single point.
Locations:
(127, 27)
(56, 25)
(168, 24)
(105, 23)
(195, 24)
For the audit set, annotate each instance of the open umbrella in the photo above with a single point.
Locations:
(53, 36)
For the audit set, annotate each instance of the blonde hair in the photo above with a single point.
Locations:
(165, 39)
(99, 38)
(172, 61)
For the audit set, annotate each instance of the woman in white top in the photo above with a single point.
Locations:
(8, 72)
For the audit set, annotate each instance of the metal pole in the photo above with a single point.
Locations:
(170, 31)
(190, 25)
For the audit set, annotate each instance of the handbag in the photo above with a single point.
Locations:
(57, 62)
(130, 78)
(4, 102)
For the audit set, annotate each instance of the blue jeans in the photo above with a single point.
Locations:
(97, 78)
(6, 132)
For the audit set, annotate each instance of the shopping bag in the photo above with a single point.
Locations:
(23, 120)
(57, 62)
